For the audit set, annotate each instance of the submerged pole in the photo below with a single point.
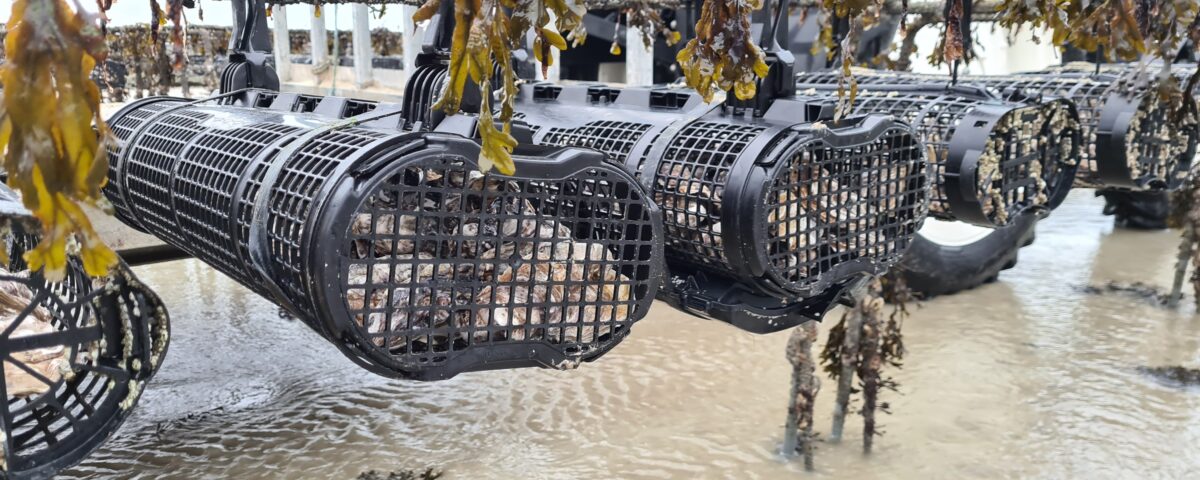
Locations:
(798, 433)
(849, 358)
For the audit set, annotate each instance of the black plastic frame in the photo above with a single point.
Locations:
(642, 127)
(41, 437)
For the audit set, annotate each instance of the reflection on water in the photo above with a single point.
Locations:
(1027, 376)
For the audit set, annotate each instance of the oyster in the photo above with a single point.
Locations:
(50, 363)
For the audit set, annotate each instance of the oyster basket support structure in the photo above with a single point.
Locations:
(767, 220)
(390, 243)
(1128, 140)
(994, 160)
(77, 354)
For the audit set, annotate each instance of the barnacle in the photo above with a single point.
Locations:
(487, 31)
(51, 151)
(723, 55)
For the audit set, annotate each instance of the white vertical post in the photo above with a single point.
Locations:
(639, 60)
(412, 36)
(283, 43)
(318, 38)
(361, 45)
(1024, 54)
(554, 72)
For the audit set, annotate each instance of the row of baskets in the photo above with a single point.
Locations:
(1132, 140)
(373, 223)
(391, 243)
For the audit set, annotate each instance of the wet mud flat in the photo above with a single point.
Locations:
(1030, 376)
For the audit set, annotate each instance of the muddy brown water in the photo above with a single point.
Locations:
(1025, 377)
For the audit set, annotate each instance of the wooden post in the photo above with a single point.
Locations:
(319, 40)
(361, 45)
(639, 60)
(283, 44)
(412, 37)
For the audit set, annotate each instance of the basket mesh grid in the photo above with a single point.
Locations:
(830, 205)
(613, 138)
(935, 116)
(1023, 155)
(444, 258)
(1088, 95)
(690, 186)
(121, 130)
(204, 186)
(292, 196)
(151, 159)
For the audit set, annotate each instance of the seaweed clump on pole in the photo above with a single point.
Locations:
(864, 342)
(799, 437)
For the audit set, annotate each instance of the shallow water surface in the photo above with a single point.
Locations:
(1029, 376)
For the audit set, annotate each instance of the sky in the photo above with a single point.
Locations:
(125, 12)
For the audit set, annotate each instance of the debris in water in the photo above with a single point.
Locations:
(1148, 292)
(1188, 377)
(428, 474)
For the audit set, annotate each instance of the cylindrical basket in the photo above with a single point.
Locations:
(393, 244)
(1128, 140)
(766, 219)
(993, 159)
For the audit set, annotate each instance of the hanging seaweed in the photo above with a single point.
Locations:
(51, 153)
(485, 33)
(1120, 29)
(175, 14)
(723, 55)
(647, 19)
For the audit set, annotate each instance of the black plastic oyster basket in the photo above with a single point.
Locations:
(995, 159)
(392, 244)
(77, 354)
(1129, 139)
(767, 220)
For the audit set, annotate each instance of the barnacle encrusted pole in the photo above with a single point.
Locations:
(840, 357)
(862, 344)
(1185, 215)
(50, 105)
(798, 434)
(870, 362)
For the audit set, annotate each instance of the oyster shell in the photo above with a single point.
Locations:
(49, 362)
